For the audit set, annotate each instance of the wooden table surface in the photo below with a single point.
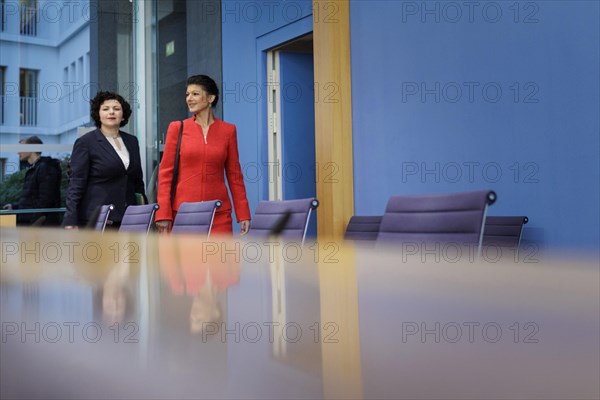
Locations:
(85, 315)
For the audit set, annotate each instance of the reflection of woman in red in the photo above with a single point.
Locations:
(200, 271)
(208, 149)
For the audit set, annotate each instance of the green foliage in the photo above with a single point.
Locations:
(10, 189)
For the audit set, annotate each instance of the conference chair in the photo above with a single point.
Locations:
(504, 231)
(102, 219)
(196, 217)
(286, 218)
(138, 218)
(453, 218)
(363, 228)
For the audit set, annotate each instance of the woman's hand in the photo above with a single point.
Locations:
(164, 226)
(244, 227)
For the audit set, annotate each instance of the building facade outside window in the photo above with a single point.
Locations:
(29, 17)
(28, 96)
(55, 55)
(2, 84)
(38, 39)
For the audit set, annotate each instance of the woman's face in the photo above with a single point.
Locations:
(111, 114)
(197, 99)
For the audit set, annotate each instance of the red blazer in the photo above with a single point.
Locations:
(201, 167)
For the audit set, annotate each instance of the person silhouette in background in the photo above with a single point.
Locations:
(41, 187)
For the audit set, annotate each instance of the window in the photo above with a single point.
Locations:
(40, 95)
(2, 93)
(80, 70)
(2, 15)
(28, 93)
(29, 17)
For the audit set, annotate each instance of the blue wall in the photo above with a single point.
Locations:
(248, 29)
(447, 98)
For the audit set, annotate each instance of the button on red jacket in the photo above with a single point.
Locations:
(202, 166)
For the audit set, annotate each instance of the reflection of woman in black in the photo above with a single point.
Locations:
(105, 164)
(113, 288)
(115, 296)
(110, 287)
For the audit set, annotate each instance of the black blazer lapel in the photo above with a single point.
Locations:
(107, 147)
(131, 148)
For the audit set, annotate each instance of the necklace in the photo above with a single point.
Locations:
(110, 134)
(117, 143)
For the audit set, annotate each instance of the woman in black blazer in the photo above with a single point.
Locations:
(105, 164)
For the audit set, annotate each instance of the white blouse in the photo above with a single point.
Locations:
(119, 146)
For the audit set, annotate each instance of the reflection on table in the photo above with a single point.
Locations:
(86, 315)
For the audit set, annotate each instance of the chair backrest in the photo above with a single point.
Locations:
(504, 231)
(363, 228)
(103, 216)
(196, 217)
(441, 218)
(138, 218)
(269, 214)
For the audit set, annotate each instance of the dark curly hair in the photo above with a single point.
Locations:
(100, 98)
(207, 83)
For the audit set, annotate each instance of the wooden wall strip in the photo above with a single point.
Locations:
(333, 117)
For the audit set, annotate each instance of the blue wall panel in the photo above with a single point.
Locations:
(248, 29)
(264, 15)
(298, 126)
(453, 96)
(240, 98)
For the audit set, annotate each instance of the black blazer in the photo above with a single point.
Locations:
(99, 177)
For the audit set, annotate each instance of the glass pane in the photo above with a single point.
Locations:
(56, 55)
(178, 40)
(45, 82)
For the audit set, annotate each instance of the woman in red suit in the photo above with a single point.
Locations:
(208, 147)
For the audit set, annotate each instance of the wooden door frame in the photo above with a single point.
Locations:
(333, 117)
